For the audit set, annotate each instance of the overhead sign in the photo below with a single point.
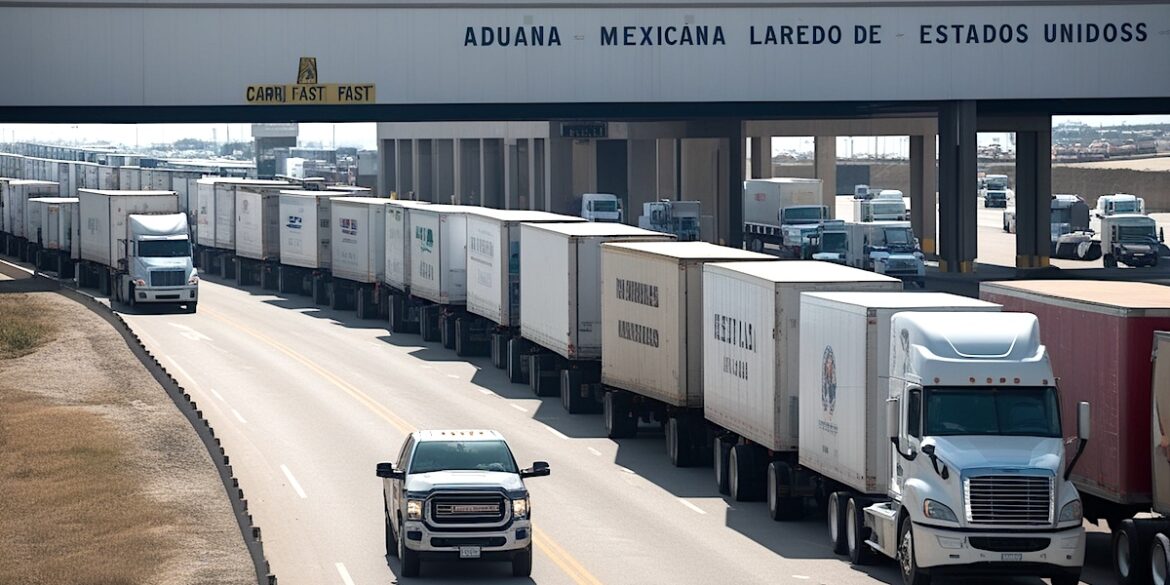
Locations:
(307, 91)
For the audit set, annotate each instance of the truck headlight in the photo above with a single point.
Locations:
(139, 282)
(1071, 512)
(520, 507)
(193, 280)
(414, 509)
(934, 510)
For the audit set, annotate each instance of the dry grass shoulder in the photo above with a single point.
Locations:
(102, 481)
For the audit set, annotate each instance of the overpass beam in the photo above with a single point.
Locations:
(924, 192)
(825, 155)
(761, 157)
(958, 179)
(1034, 195)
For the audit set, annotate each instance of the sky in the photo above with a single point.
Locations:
(363, 135)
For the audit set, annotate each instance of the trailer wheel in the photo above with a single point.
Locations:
(516, 361)
(1109, 261)
(720, 456)
(1160, 559)
(571, 397)
(783, 506)
(835, 512)
(756, 245)
(743, 477)
(856, 533)
(679, 442)
(1132, 542)
(619, 421)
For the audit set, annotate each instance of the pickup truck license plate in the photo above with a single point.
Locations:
(1013, 556)
(469, 552)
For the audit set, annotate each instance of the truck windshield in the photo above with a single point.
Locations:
(834, 242)
(1061, 215)
(899, 237)
(1031, 411)
(1135, 233)
(1125, 207)
(164, 248)
(887, 207)
(997, 184)
(462, 456)
(801, 215)
(603, 206)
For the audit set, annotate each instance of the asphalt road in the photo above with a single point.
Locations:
(307, 400)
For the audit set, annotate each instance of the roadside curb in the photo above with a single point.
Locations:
(187, 406)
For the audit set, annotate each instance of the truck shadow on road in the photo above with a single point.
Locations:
(460, 573)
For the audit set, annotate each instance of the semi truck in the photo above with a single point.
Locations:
(561, 327)
(995, 191)
(679, 218)
(493, 282)
(604, 207)
(651, 335)
(1100, 336)
(215, 227)
(1072, 239)
(257, 254)
(770, 205)
(1155, 530)
(1131, 239)
(888, 205)
(14, 196)
(751, 359)
(50, 227)
(1119, 203)
(136, 247)
(886, 247)
(306, 231)
(974, 482)
(359, 253)
(402, 308)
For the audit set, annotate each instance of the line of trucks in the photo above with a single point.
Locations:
(1127, 235)
(932, 429)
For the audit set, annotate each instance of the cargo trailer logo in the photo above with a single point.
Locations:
(829, 381)
(349, 227)
(294, 222)
(637, 292)
(739, 334)
(638, 333)
(426, 239)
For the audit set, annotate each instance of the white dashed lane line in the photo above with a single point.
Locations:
(293, 481)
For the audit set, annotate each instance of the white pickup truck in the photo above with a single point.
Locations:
(454, 495)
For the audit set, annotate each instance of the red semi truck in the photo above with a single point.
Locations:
(1100, 336)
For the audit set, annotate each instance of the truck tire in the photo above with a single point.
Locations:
(721, 456)
(570, 387)
(391, 541)
(836, 515)
(1109, 261)
(856, 533)
(678, 445)
(1159, 560)
(192, 307)
(411, 563)
(782, 506)
(132, 299)
(522, 562)
(517, 359)
(908, 565)
(620, 422)
(743, 474)
(1070, 577)
(1132, 542)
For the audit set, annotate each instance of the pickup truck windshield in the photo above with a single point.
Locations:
(462, 456)
(989, 410)
(164, 248)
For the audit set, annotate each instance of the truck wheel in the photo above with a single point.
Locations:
(1159, 560)
(781, 505)
(678, 445)
(720, 459)
(192, 307)
(911, 574)
(756, 245)
(522, 562)
(411, 564)
(391, 542)
(132, 298)
(619, 421)
(516, 360)
(743, 482)
(1071, 577)
(1131, 551)
(856, 533)
(836, 516)
(1109, 261)
(571, 397)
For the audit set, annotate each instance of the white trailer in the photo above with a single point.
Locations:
(216, 220)
(652, 342)
(128, 178)
(438, 268)
(306, 232)
(403, 309)
(766, 200)
(14, 194)
(493, 280)
(560, 304)
(50, 226)
(359, 252)
(751, 358)
(257, 235)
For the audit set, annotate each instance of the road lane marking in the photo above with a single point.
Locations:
(595, 451)
(183, 372)
(559, 556)
(692, 506)
(238, 415)
(518, 407)
(485, 391)
(629, 471)
(345, 578)
(296, 485)
(452, 376)
(556, 432)
(217, 394)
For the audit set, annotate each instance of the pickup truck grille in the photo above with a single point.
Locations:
(468, 509)
(1009, 500)
(168, 278)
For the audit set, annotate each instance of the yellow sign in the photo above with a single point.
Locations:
(307, 91)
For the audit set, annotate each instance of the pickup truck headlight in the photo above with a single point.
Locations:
(936, 511)
(520, 507)
(1071, 512)
(414, 509)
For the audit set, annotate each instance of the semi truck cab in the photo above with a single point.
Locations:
(602, 207)
(888, 248)
(1131, 239)
(157, 267)
(979, 481)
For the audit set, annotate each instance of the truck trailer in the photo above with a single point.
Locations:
(652, 341)
(1100, 334)
(359, 253)
(438, 269)
(50, 227)
(216, 220)
(14, 196)
(402, 309)
(305, 236)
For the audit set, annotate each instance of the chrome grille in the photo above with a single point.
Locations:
(1009, 500)
(467, 508)
(167, 278)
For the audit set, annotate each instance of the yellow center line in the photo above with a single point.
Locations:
(559, 556)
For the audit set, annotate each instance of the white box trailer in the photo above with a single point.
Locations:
(306, 229)
(107, 178)
(403, 311)
(15, 195)
(438, 254)
(359, 238)
(50, 221)
(258, 224)
(845, 339)
(129, 178)
(103, 220)
(217, 209)
(75, 228)
(764, 198)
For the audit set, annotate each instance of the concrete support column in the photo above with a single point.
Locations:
(825, 153)
(761, 157)
(509, 160)
(924, 192)
(470, 171)
(407, 168)
(730, 209)
(957, 187)
(387, 166)
(700, 164)
(1034, 195)
(667, 168)
(457, 171)
(643, 176)
(584, 167)
(444, 164)
(493, 171)
(560, 175)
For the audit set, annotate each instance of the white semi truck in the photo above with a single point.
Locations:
(977, 478)
(651, 333)
(604, 207)
(136, 247)
(770, 205)
(886, 247)
(888, 205)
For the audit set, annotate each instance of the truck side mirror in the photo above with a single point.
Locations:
(387, 471)
(1161, 234)
(538, 469)
(893, 416)
(1083, 421)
